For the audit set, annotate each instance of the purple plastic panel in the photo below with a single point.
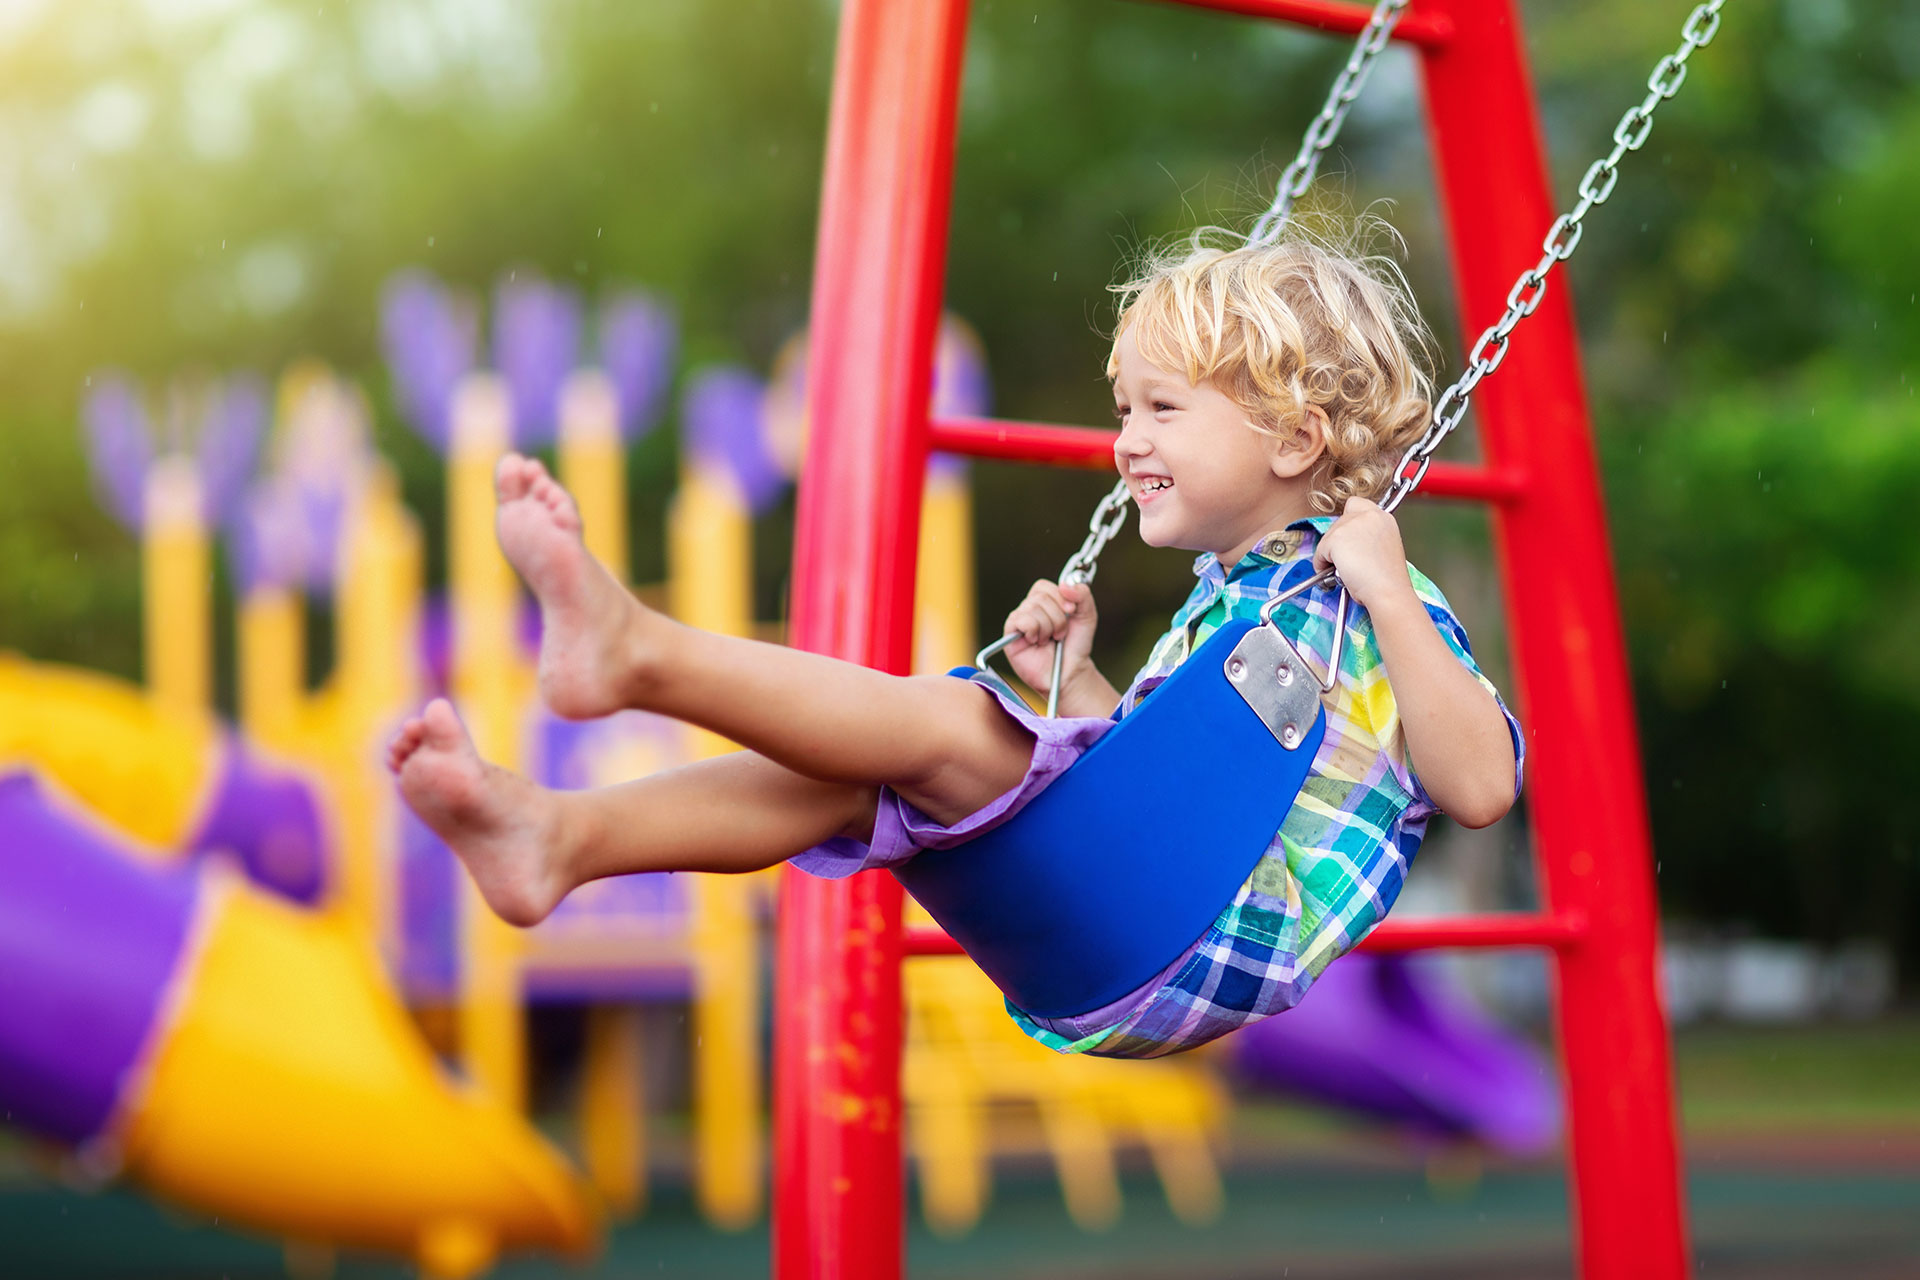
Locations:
(222, 424)
(638, 342)
(613, 984)
(119, 445)
(1387, 1035)
(536, 344)
(288, 532)
(723, 423)
(961, 388)
(270, 820)
(89, 940)
(431, 340)
(429, 967)
(271, 543)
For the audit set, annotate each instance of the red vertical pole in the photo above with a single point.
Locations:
(878, 270)
(1584, 793)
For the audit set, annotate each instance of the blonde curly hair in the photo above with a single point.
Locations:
(1307, 320)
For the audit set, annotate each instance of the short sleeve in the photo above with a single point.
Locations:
(1447, 623)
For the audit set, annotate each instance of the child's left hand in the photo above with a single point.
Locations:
(1363, 546)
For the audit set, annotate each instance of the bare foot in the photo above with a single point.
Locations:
(590, 625)
(500, 824)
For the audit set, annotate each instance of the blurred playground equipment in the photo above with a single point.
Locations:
(246, 1058)
(241, 1044)
(1390, 1037)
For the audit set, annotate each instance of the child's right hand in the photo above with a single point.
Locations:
(1051, 612)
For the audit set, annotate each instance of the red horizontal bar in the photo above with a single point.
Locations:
(1092, 448)
(1334, 15)
(929, 940)
(1009, 441)
(1512, 929)
(1509, 930)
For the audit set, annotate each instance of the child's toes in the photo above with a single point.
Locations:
(509, 478)
(440, 726)
(405, 743)
(558, 502)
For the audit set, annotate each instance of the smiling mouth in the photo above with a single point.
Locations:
(1151, 487)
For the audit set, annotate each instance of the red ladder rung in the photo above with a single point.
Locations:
(1509, 929)
(1426, 30)
(1092, 448)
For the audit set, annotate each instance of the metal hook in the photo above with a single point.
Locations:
(1345, 602)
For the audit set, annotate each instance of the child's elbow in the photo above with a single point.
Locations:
(1482, 809)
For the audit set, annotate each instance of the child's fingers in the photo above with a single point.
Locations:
(1038, 619)
(1079, 598)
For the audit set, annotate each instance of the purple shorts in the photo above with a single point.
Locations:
(900, 830)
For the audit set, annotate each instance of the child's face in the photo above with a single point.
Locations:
(1202, 477)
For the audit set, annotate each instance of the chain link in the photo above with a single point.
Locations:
(1485, 355)
(1108, 519)
(1490, 349)
(1298, 176)
(1111, 514)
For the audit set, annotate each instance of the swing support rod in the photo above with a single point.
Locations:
(1556, 931)
(1051, 444)
(1421, 29)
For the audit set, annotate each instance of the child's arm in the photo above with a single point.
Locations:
(1456, 736)
(1052, 612)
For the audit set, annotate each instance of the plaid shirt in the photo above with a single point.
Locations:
(1338, 861)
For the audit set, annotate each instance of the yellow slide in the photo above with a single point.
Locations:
(148, 771)
(290, 1093)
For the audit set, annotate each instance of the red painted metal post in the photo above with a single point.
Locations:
(1584, 793)
(878, 270)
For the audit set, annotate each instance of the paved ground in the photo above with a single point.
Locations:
(1803, 1163)
(1783, 1209)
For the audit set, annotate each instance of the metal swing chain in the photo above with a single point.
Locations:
(1298, 176)
(1524, 298)
(1108, 519)
(1491, 348)
(1111, 515)
(1487, 351)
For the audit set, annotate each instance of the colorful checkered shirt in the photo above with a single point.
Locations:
(1340, 857)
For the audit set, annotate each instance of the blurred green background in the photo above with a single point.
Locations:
(223, 184)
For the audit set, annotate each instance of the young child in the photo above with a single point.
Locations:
(1259, 391)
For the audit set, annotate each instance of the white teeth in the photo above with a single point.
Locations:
(1153, 484)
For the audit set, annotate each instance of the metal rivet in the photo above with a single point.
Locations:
(1236, 668)
(1289, 735)
(1283, 673)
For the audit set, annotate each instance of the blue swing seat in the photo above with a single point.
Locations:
(1106, 877)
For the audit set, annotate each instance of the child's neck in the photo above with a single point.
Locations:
(1294, 505)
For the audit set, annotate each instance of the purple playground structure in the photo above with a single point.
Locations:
(1389, 1037)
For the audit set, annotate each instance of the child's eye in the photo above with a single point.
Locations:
(1120, 412)
(1161, 406)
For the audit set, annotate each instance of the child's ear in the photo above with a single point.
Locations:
(1300, 451)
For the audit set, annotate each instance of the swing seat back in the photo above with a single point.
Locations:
(1112, 872)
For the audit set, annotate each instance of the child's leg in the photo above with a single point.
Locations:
(527, 847)
(943, 744)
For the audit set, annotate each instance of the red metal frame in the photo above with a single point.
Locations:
(882, 250)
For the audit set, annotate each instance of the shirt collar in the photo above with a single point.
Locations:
(1274, 548)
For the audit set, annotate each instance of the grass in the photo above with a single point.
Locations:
(1851, 1076)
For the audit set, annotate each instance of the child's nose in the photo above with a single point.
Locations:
(1131, 443)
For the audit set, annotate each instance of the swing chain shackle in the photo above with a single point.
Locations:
(1562, 238)
(1342, 606)
(1298, 176)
